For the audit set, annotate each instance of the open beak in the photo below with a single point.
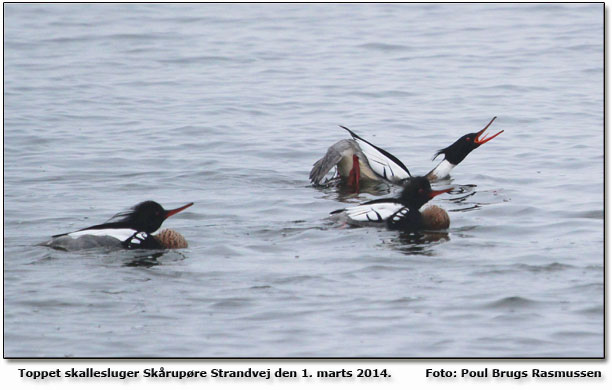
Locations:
(170, 213)
(479, 141)
(433, 194)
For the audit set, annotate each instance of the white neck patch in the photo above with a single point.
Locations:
(441, 171)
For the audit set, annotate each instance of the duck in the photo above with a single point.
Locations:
(402, 212)
(358, 160)
(132, 229)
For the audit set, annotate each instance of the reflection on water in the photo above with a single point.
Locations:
(465, 191)
(459, 189)
(148, 258)
(418, 243)
(337, 189)
(467, 208)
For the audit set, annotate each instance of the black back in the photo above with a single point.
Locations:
(144, 217)
(416, 192)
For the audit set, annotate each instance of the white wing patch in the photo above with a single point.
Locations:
(381, 164)
(401, 214)
(120, 234)
(138, 238)
(375, 212)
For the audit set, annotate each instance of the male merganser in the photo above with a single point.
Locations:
(357, 159)
(401, 213)
(130, 230)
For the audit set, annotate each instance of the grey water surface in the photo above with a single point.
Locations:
(228, 106)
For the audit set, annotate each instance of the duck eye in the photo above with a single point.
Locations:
(421, 190)
(467, 138)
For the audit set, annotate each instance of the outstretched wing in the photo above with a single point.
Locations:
(382, 162)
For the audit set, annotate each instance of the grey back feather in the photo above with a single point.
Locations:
(331, 159)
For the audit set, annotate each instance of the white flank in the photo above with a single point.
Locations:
(381, 164)
(376, 212)
(120, 234)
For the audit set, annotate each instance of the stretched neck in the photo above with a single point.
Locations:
(441, 171)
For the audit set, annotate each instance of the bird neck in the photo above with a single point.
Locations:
(441, 171)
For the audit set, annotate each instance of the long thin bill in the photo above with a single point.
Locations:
(439, 192)
(484, 139)
(170, 213)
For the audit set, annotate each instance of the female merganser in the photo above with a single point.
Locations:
(130, 230)
(357, 159)
(400, 213)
